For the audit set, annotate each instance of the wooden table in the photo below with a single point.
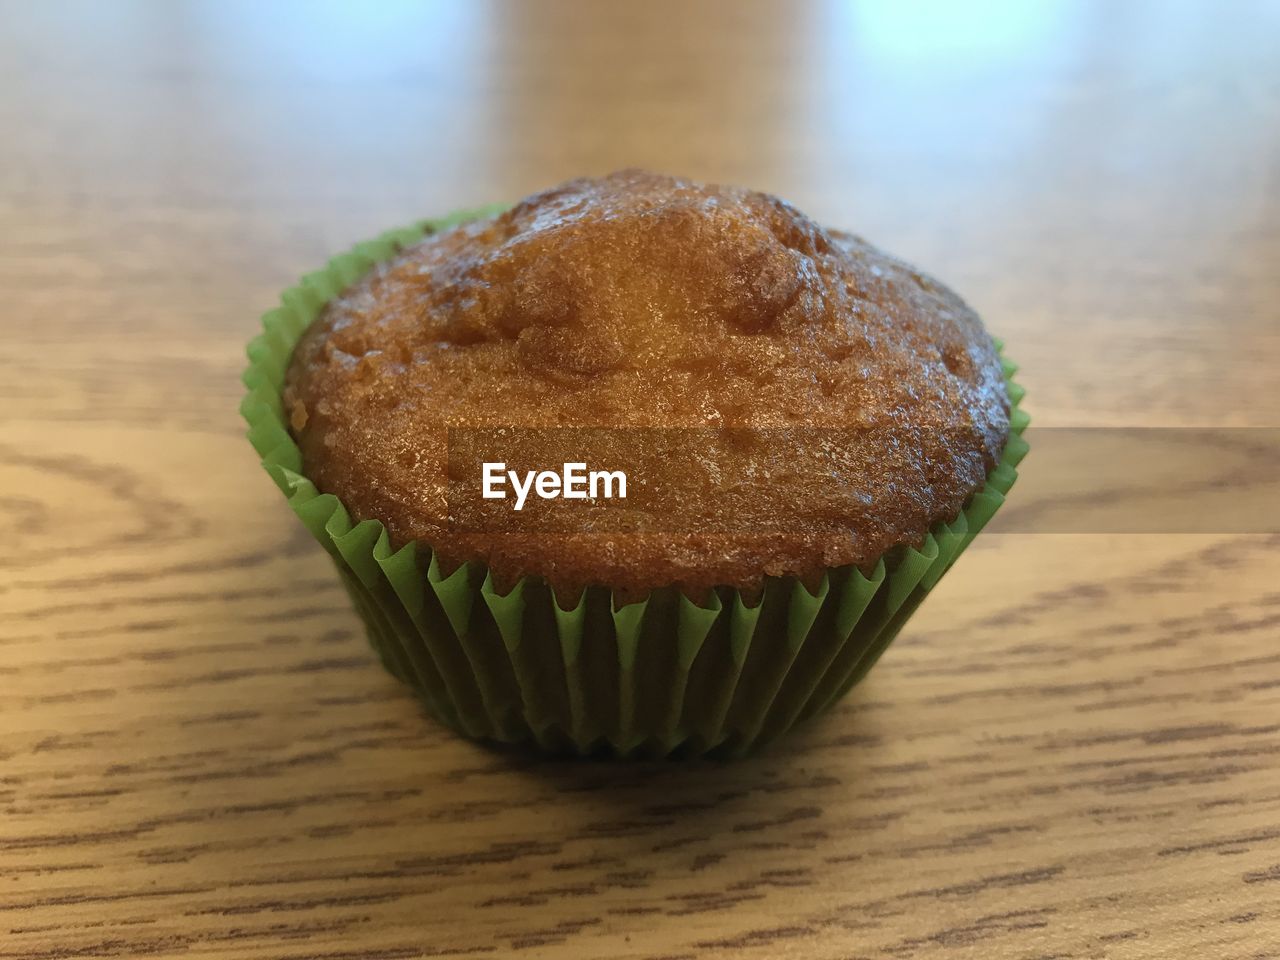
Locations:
(1073, 751)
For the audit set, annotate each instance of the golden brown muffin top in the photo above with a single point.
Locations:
(637, 300)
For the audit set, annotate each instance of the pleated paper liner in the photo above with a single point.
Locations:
(661, 676)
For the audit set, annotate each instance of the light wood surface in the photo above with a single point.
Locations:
(1072, 752)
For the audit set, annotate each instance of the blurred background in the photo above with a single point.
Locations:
(1092, 176)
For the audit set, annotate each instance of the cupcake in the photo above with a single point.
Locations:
(811, 430)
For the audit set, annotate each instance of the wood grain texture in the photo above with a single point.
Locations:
(1072, 752)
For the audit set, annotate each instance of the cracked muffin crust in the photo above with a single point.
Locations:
(637, 300)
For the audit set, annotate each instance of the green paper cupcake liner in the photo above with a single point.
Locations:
(661, 676)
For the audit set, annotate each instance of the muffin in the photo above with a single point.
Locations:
(812, 431)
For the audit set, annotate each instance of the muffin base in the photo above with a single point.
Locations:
(659, 677)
